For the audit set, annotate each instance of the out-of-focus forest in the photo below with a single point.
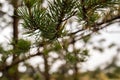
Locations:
(57, 33)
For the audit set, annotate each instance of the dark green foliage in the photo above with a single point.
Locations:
(77, 56)
(61, 9)
(85, 52)
(91, 11)
(86, 38)
(57, 46)
(48, 21)
(30, 3)
(70, 57)
(1, 49)
(22, 46)
(5, 53)
(46, 25)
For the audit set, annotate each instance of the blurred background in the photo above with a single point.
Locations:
(98, 58)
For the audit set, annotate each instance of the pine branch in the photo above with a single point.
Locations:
(17, 61)
(101, 25)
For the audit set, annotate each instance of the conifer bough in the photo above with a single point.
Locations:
(51, 21)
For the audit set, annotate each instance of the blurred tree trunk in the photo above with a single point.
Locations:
(75, 64)
(46, 67)
(75, 72)
(15, 23)
(14, 74)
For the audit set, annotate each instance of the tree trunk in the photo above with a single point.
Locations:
(46, 68)
(75, 72)
(75, 68)
(15, 75)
